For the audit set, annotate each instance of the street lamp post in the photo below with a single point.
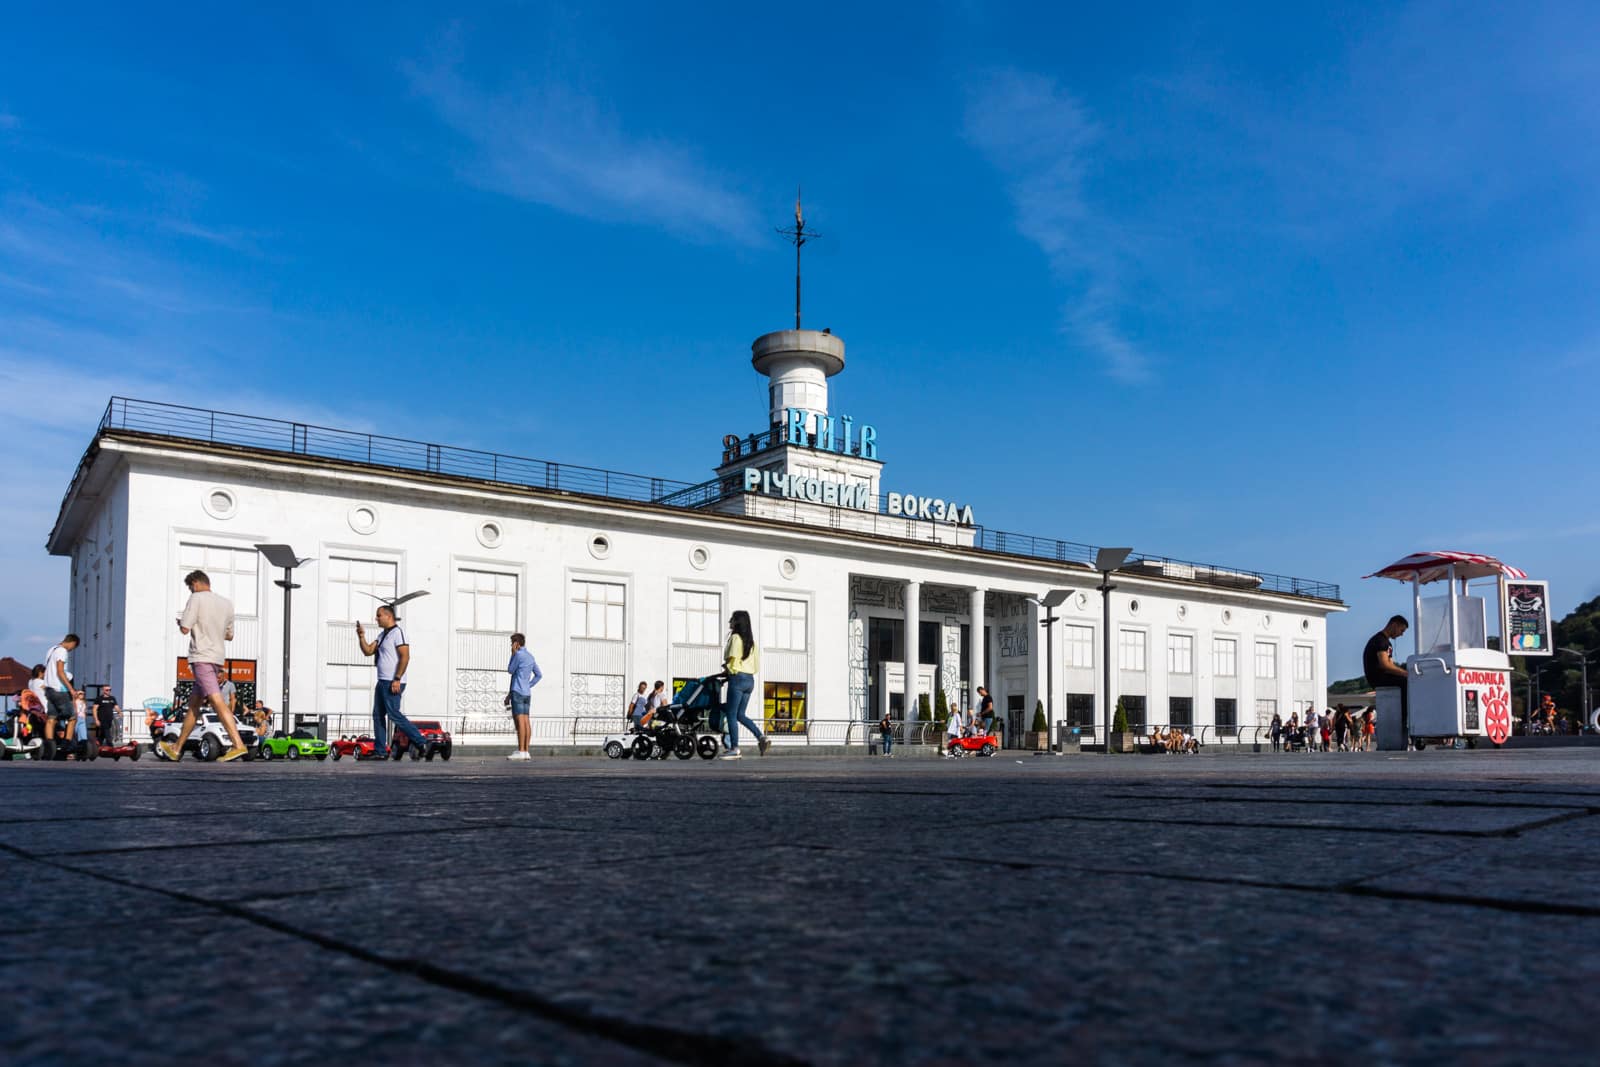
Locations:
(1106, 561)
(283, 556)
(1583, 712)
(1052, 600)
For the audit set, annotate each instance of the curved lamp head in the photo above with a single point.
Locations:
(282, 556)
(1109, 559)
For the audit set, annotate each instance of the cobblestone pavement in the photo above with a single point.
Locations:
(1441, 907)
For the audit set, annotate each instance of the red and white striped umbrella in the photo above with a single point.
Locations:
(1435, 566)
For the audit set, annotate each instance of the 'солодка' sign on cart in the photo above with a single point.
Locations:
(1486, 700)
(1527, 619)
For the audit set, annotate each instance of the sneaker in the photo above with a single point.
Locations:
(762, 746)
(732, 753)
(171, 751)
(519, 755)
(232, 754)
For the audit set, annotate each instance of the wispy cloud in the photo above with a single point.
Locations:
(555, 145)
(1040, 138)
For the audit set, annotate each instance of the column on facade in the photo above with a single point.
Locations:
(913, 624)
(976, 649)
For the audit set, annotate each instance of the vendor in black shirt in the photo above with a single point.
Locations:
(1377, 663)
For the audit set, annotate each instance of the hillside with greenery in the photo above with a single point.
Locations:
(1562, 676)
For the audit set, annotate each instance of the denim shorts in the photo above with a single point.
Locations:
(519, 703)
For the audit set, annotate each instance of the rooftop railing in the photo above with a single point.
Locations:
(304, 439)
(297, 438)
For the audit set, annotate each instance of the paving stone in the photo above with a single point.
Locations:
(1233, 909)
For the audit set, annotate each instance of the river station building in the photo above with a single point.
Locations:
(866, 595)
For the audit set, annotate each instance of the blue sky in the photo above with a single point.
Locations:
(1297, 288)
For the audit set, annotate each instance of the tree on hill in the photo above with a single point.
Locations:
(1562, 676)
(1357, 684)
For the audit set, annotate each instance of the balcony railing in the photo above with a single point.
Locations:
(277, 435)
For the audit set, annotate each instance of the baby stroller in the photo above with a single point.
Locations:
(676, 728)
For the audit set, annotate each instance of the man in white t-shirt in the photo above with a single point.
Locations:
(207, 621)
(59, 693)
(392, 653)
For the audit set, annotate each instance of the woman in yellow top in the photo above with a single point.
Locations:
(742, 659)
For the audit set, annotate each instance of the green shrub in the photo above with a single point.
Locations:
(1119, 723)
(1040, 725)
(924, 712)
(941, 708)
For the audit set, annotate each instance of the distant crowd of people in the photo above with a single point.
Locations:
(1341, 729)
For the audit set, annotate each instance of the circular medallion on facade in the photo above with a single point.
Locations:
(363, 518)
(788, 567)
(220, 503)
(699, 556)
(1133, 607)
(1266, 622)
(1183, 611)
(1083, 600)
(599, 546)
(1305, 626)
(490, 534)
(1227, 616)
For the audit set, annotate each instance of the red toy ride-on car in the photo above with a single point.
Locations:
(979, 745)
(362, 747)
(432, 731)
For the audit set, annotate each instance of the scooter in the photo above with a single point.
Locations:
(18, 739)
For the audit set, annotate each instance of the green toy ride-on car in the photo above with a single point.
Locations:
(302, 744)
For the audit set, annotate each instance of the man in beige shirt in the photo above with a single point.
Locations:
(207, 620)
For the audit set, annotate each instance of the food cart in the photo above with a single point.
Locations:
(1457, 686)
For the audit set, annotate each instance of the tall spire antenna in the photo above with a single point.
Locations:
(798, 235)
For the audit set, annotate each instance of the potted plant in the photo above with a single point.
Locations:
(1121, 739)
(1038, 738)
(924, 714)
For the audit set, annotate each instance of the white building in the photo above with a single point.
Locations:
(619, 578)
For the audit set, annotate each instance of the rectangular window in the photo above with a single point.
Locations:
(596, 610)
(783, 624)
(1225, 657)
(696, 618)
(1180, 654)
(1180, 711)
(784, 707)
(1265, 710)
(232, 572)
(1227, 713)
(1080, 709)
(486, 601)
(1134, 706)
(1078, 642)
(1266, 660)
(1130, 648)
(1304, 663)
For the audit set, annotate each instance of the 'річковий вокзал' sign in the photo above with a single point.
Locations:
(839, 495)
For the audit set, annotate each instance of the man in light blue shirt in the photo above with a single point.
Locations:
(525, 674)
